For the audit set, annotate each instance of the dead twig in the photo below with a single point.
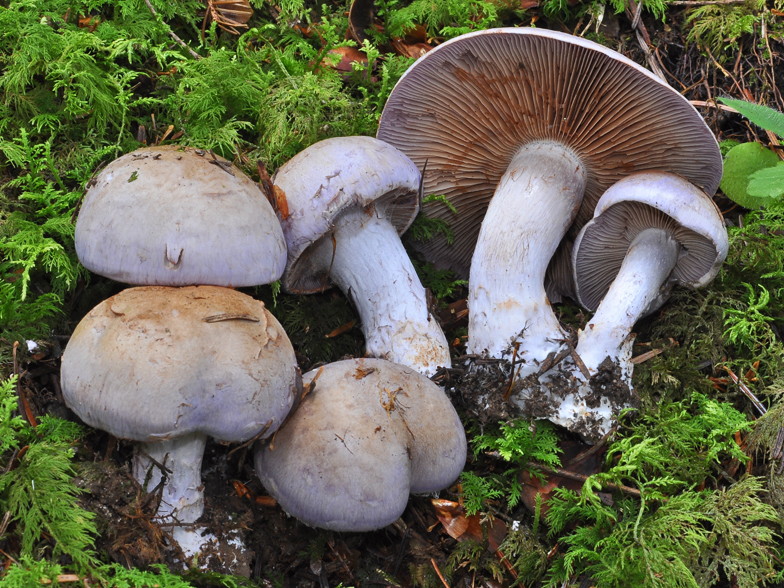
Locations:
(593, 450)
(252, 441)
(581, 478)
(177, 40)
(743, 388)
(440, 575)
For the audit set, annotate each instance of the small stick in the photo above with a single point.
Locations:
(712, 104)
(512, 374)
(743, 388)
(252, 441)
(179, 41)
(440, 575)
(578, 360)
(548, 365)
(581, 478)
(592, 450)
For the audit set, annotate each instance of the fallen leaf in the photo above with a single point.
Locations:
(461, 527)
(341, 329)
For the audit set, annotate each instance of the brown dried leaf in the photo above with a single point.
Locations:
(341, 329)
(347, 55)
(415, 50)
(461, 527)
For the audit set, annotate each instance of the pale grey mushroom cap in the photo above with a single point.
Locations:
(177, 216)
(639, 202)
(156, 363)
(369, 433)
(468, 107)
(330, 178)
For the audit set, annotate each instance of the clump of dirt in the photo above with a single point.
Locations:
(489, 393)
(479, 389)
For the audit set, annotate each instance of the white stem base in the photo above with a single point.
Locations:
(183, 499)
(372, 268)
(531, 210)
(648, 263)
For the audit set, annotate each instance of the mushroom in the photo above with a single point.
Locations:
(523, 129)
(168, 367)
(650, 231)
(348, 200)
(368, 433)
(177, 216)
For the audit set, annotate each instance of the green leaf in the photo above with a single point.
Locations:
(767, 182)
(742, 161)
(762, 116)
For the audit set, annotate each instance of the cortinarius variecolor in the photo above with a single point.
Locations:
(349, 199)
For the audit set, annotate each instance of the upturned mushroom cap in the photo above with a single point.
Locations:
(468, 106)
(639, 202)
(177, 216)
(331, 177)
(156, 363)
(369, 433)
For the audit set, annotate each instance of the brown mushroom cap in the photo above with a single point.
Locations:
(177, 216)
(470, 104)
(157, 363)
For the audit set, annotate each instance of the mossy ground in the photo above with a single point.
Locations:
(85, 81)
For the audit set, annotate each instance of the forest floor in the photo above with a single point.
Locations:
(737, 51)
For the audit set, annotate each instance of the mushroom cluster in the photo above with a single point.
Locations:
(523, 131)
(188, 226)
(170, 364)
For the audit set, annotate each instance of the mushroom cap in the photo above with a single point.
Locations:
(156, 363)
(369, 433)
(176, 216)
(469, 105)
(331, 177)
(639, 202)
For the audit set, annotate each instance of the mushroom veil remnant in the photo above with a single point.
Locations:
(523, 130)
(369, 433)
(348, 199)
(169, 367)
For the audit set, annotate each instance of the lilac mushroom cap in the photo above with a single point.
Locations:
(168, 367)
(349, 199)
(523, 130)
(650, 231)
(177, 216)
(366, 436)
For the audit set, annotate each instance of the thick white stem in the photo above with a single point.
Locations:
(533, 206)
(649, 261)
(182, 499)
(372, 268)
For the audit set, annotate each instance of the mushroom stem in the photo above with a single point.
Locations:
(368, 263)
(649, 261)
(182, 497)
(531, 210)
